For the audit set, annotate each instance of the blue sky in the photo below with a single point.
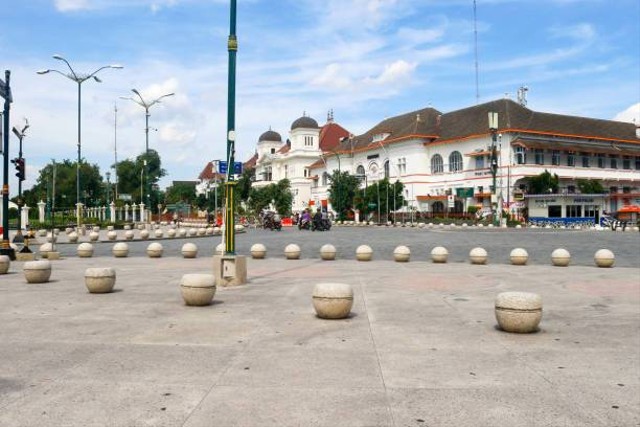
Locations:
(365, 59)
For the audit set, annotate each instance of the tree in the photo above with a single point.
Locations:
(342, 192)
(544, 183)
(282, 197)
(590, 186)
(181, 193)
(132, 176)
(92, 191)
(261, 197)
(243, 186)
(129, 174)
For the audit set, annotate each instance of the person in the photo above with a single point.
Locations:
(317, 219)
(305, 218)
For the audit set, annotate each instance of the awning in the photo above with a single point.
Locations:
(629, 209)
(480, 153)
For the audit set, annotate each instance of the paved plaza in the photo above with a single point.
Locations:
(421, 347)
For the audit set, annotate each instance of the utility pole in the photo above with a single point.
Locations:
(232, 45)
(5, 92)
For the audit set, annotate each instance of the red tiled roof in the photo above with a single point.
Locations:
(330, 136)
(317, 164)
(251, 163)
(284, 149)
(208, 173)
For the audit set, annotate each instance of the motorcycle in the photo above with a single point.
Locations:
(272, 222)
(304, 224)
(321, 225)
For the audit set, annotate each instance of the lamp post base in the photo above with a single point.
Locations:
(230, 270)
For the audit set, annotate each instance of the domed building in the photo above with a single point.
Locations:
(307, 142)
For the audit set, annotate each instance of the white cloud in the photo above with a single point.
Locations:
(333, 76)
(631, 114)
(395, 73)
(583, 32)
(71, 5)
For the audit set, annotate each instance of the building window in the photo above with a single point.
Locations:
(554, 211)
(638, 163)
(555, 157)
(571, 189)
(455, 162)
(573, 211)
(273, 151)
(308, 141)
(480, 162)
(436, 164)
(386, 169)
(613, 162)
(626, 162)
(360, 170)
(268, 174)
(601, 161)
(325, 179)
(590, 211)
(539, 156)
(402, 165)
(306, 172)
(571, 158)
(521, 156)
(585, 160)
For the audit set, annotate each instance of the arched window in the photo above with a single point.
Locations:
(455, 162)
(386, 169)
(437, 207)
(325, 178)
(436, 164)
(360, 170)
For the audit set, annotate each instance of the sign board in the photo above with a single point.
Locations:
(451, 201)
(125, 197)
(223, 167)
(464, 192)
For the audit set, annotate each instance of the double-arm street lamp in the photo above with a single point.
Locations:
(146, 104)
(79, 78)
(18, 238)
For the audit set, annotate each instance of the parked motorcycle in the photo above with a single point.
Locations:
(321, 225)
(271, 221)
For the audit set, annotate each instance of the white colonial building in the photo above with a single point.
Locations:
(444, 161)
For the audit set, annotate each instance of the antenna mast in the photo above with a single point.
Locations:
(475, 34)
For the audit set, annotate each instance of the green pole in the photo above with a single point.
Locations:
(230, 243)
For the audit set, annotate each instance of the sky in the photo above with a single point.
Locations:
(364, 59)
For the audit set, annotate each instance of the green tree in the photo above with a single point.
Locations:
(261, 197)
(243, 186)
(181, 193)
(590, 186)
(544, 183)
(134, 179)
(129, 179)
(343, 189)
(283, 197)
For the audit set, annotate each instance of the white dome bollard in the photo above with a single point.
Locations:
(189, 250)
(128, 234)
(154, 250)
(364, 253)
(258, 251)
(193, 232)
(292, 251)
(604, 258)
(73, 237)
(402, 254)
(37, 271)
(182, 232)
(94, 236)
(201, 231)
(144, 234)
(478, 256)
(112, 235)
(197, 289)
(439, 255)
(560, 257)
(328, 252)
(44, 249)
(332, 300)
(519, 256)
(159, 234)
(171, 233)
(220, 249)
(100, 280)
(120, 250)
(85, 250)
(518, 312)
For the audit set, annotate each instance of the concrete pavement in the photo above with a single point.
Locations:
(420, 348)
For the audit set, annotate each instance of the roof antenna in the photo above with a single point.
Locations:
(522, 95)
(330, 116)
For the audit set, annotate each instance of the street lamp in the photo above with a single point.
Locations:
(18, 238)
(146, 105)
(79, 78)
(493, 128)
(108, 187)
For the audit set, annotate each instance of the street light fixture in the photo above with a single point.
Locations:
(18, 238)
(146, 105)
(79, 78)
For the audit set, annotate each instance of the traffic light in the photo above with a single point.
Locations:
(20, 170)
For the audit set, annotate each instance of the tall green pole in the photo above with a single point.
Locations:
(229, 235)
(5, 92)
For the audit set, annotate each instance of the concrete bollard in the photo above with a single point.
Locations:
(158, 234)
(73, 237)
(604, 258)
(328, 252)
(171, 233)
(402, 254)
(120, 250)
(94, 236)
(189, 250)
(518, 312)
(332, 300)
(182, 232)
(364, 253)
(292, 251)
(258, 251)
(5, 263)
(37, 271)
(128, 234)
(519, 256)
(560, 257)
(99, 280)
(144, 234)
(478, 256)
(197, 289)
(220, 249)
(85, 250)
(439, 255)
(154, 250)
(112, 235)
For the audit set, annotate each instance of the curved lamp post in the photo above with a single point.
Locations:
(79, 78)
(146, 105)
